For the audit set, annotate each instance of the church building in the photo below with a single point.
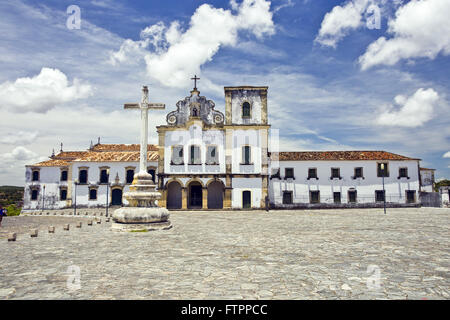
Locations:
(209, 160)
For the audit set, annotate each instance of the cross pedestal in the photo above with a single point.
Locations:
(142, 212)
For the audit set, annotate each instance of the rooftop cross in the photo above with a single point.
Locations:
(144, 106)
(195, 81)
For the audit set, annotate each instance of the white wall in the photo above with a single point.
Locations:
(194, 136)
(241, 138)
(395, 188)
(238, 97)
(243, 184)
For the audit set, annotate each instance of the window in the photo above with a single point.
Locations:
(82, 176)
(92, 194)
(275, 173)
(246, 155)
(195, 155)
(402, 173)
(64, 175)
(379, 195)
(35, 176)
(335, 173)
(34, 194)
(385, 172)
(152, 172)
(411, 196)
(352, 196)
(337, 197)
(104, 176)
(246, 110)
(212, 156)
(130, 176)
(63, 194)
(314, 196)
(177, 155)
(358, 173)
(289, 173)
(287, 197)
(312, 173)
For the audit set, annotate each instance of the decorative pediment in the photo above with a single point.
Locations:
(195, 107)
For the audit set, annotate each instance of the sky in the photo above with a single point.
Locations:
(342, 75)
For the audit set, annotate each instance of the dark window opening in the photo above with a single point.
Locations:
(289, 173)
(411, 196)
(104, 176)
(152, 172)
(82, 176)
(335, 173)
(312, 173)
(130, 176)
(64, 175)
(352, 196)
(246, 110)
(93, 194)
(379, 195)
(358, 173)
(337, 197)
(314, 196)
(403, 173)
(34, 194)
(381, 172)
(287, 197)
(246, 159)
(63, 194)
(35, 175)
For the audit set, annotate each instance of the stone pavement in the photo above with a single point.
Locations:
(320, 254)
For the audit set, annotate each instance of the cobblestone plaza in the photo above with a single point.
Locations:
(320, 254)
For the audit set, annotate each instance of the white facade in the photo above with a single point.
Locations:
(395, 187)
(208, 160)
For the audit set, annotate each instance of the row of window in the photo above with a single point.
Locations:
(212, 155)
(104, 175)
(63, 194)
(336, 173)
(314, 196)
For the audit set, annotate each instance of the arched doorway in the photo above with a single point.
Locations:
(116, 197)
(173, 195)
(195, 195)
(215, 195)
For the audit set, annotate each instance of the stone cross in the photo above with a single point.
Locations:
(195, 81)
(144, 106)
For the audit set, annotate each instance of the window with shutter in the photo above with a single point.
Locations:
(177, 155)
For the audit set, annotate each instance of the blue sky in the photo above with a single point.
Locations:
(334, 82)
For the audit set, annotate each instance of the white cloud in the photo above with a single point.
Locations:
(340, 21)
(19, 137)
(446, 155)
(414, 111)
(41, 92)
(420, 30)
(19, 156)
(173, 56)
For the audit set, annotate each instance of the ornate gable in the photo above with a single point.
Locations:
(195, 107)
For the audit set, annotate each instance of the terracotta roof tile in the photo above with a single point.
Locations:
(116, 156)
(52, 163)
(121, 147)
(340, 156)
